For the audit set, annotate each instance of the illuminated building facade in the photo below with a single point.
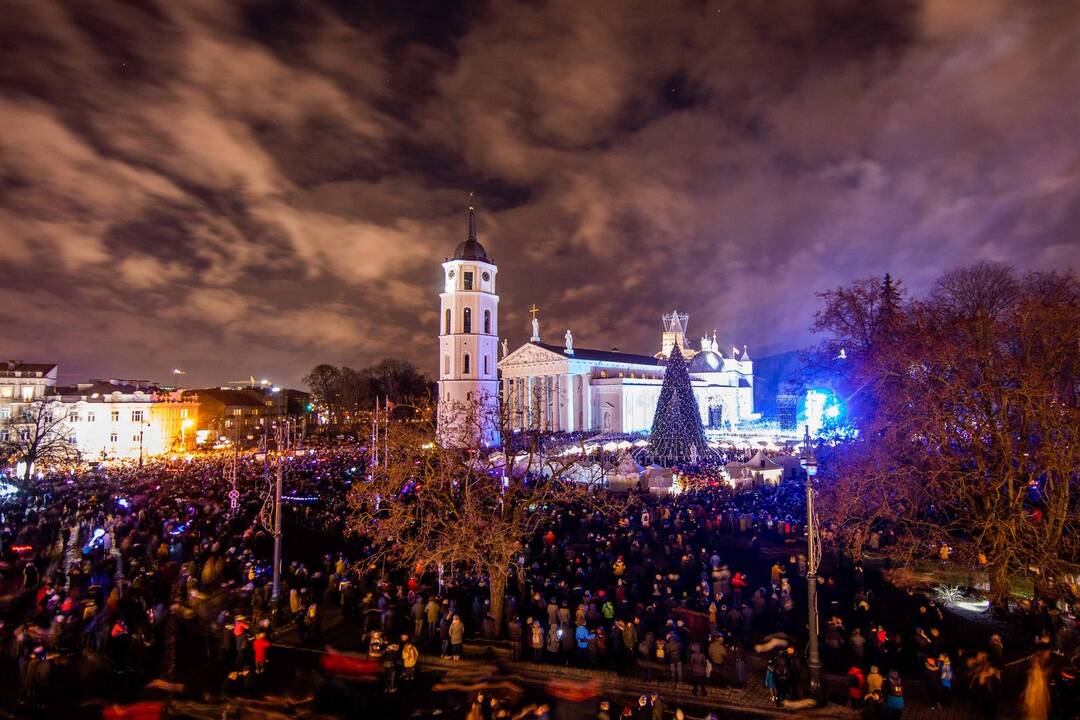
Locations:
(567, 389)
(22, 383)
(116, 419)
(243, 413)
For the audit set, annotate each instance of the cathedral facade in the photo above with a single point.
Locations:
(561, 388)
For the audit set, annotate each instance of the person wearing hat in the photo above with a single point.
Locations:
(410, 657)
(946, 675)
(894, 695)
(643, 712)
(457, 636)
(261, 648)
(656, 706)
(932, 680)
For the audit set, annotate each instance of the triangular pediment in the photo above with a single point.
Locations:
(531, 354)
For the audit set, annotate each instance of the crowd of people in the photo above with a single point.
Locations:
(127, 571)
(131, 573)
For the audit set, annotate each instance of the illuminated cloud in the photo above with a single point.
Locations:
(255, 187)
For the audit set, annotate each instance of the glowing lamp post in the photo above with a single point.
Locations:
(813, 556)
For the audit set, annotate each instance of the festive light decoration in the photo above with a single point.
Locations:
(677, 437)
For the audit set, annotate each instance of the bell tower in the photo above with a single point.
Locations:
(468, 346)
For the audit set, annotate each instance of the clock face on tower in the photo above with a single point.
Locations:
(450, 274)
(486, 276)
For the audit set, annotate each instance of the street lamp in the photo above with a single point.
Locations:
(813, 556)
(142, 426)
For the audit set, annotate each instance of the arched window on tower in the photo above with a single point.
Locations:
(449, 320)
(446, 364)
(465, 365)
(487, 322)
(466, 321)
(486, 371)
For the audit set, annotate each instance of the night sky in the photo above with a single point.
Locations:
(251, 188)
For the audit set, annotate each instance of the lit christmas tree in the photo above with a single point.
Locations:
(677, 435)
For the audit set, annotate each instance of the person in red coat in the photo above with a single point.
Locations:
(261, 647)
(856, 685)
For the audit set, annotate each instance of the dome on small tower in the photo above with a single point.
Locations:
(471, 249)
(706, 361)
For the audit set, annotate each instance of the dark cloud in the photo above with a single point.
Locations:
(254, 187)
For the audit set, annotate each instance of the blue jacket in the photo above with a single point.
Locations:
(583, 636)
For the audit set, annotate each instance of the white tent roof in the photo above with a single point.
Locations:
(761, 461)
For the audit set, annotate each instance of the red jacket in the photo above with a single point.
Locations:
(856, 683)
(261, 647)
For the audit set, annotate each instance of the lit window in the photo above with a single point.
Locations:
(603, 373)
(7, 391)
(115, 415)
(183, 412)
(28, 393)
(466, 321)
(238, 411)
(228, 423)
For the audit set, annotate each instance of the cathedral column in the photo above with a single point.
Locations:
(527, 406)
(557, 402)
(519, 406)
(586, 401)
(510, 388)
(567, 382)
(549, 392)
(507, 384)
(553, 404)
(539, 397)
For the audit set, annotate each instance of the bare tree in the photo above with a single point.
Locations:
(38, 436)
(428, 505)
(972, 438)
(343, 393)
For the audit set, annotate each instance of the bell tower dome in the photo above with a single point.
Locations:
(468, 345)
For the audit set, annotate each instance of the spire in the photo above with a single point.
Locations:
(471, 249)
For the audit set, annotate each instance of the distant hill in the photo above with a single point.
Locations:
(770, 374)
